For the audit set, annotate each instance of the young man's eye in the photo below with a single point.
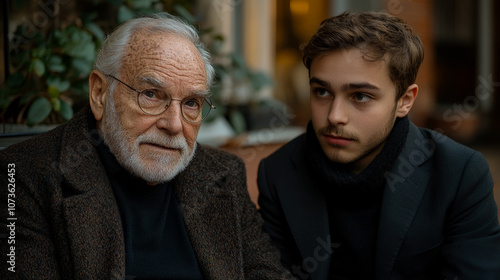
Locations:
(362, 98)
(321, 92)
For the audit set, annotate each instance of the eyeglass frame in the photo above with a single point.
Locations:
(205, 99)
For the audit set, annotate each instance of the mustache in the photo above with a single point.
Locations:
(172, 142)
(338, 132)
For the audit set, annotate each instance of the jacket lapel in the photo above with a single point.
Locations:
(211, 217)
(406, 184)
(90, 211)
(306, 212)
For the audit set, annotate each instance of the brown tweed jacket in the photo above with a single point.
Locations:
(68, 224)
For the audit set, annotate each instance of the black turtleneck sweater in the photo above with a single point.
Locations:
(354, 202)
(156, 243)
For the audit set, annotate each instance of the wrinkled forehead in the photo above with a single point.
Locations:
(147, 48)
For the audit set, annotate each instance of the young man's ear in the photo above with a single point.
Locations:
(98, 91)
(406, 101)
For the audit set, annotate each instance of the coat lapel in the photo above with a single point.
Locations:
(89, 208)
(211, 217)
(406, 184)
(306, 212)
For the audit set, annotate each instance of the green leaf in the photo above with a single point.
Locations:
(260, 80)
(216, 46)
(38, 67)
(58, 68)
(53, 91)
(238, 60)
(80, 44)
(238, 122)
(141, 4)
(185, 14)
(55, 64)
(59, 83)
(95, 30)
(124, 14)
(82, 67)
(55, 59)
(38, 111)
(64, 85)
(39, 52)
(56, 104)
(66, 110)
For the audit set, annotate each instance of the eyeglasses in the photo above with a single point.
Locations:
(194, 109)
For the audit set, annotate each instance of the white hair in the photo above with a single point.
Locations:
(109, 57)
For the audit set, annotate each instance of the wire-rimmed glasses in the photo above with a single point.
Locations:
(194, 108)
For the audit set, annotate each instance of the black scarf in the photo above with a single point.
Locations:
(338, 178)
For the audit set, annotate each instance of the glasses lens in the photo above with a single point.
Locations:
(207, 106)
(195, 109)
(153, 101)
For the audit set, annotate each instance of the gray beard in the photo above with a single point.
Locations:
(127, 154)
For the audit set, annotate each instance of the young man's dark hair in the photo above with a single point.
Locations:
(379, 36)
(364, 193)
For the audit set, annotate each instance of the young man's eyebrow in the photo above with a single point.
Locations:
(345, 87)
(318, 81)
(361, 85)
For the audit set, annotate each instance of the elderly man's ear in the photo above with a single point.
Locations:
(98, 91)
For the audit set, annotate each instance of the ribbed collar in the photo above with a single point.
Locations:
(338, 178)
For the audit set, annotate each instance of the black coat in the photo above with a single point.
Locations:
(438, 217)
(68, 224)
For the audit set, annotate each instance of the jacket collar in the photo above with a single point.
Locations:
(306, 212)
(90, 208)
(405, 188)
(211, 214)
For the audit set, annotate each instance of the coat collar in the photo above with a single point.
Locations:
(89, 207)
(211, 215)
(405, 188)
(93, 219)
(306, 212)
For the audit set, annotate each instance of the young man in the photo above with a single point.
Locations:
(122, 191)
(364, 193)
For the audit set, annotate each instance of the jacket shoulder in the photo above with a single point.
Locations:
(215, 158)
(445, 147)
(293, 148)
(36, 149)
(214, 165)
(47, 145)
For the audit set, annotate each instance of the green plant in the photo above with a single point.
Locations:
(50, 70)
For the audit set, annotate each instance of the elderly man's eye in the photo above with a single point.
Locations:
(150, 94)
(192, 103)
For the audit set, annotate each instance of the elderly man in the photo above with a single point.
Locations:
(122, 191)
